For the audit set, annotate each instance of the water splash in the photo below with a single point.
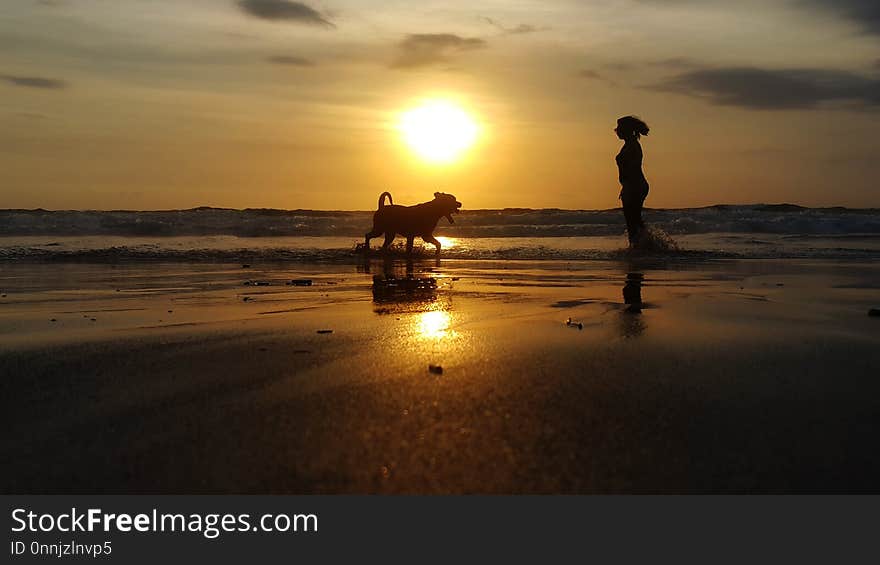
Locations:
(655, 241)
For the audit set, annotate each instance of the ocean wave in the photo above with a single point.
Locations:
(757, 218)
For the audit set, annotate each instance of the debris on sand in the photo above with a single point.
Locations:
(571, 324)
(93, 319)
(256, 283)
(300, 282)
(53, 320)
(874, 312)
(246, 299)
(436, 369)
(325, 331)
(245, 266)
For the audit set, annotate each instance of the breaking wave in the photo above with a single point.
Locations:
(758, 218)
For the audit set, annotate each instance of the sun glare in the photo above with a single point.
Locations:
(433, 324)
(447, 242)
(438, 131)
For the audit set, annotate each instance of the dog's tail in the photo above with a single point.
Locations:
(382, 199)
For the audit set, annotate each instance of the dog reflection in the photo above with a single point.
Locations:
(409, 288)
(399, 289)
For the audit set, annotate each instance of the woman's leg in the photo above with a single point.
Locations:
(632, 212)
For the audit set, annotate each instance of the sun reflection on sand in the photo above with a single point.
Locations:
(434, 324)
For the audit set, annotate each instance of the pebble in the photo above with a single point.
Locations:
(300, 282)
(571, 324)
(436, 369)
(325, 331)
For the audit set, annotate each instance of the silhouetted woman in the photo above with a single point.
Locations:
(634, 186)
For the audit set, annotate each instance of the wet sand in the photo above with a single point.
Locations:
(724, 376)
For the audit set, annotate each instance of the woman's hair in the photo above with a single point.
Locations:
(633, 125)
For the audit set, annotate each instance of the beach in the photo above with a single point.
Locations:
(631, 374)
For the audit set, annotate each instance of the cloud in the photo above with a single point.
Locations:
(518, 30)
(784, 89)
(35, 82)
(668, 63)
(284, 10)
(675, 63)
(866, 13)
(423, 49)
(290, 60)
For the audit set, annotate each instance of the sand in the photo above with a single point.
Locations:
(722, 376)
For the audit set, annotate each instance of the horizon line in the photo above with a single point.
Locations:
(779, 205)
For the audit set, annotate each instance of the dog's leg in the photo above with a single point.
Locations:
(389, 237)
(432, 239)
(409, 244)
(370, 235)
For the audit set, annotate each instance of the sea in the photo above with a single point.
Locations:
(758, 231)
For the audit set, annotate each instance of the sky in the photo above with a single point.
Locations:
(161, 104)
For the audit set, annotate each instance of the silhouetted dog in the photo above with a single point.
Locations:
(411, 221)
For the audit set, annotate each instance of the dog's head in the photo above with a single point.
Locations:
(447, 205)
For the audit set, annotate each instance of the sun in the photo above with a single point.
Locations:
(438, 131)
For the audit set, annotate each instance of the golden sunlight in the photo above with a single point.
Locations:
(447, 242)
(433, 324)
(438, 131)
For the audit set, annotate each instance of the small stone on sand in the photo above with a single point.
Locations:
(436, 369)
(325, 331)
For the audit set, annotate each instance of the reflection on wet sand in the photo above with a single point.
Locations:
(398, 290)
(434, 324)
(632, 323)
